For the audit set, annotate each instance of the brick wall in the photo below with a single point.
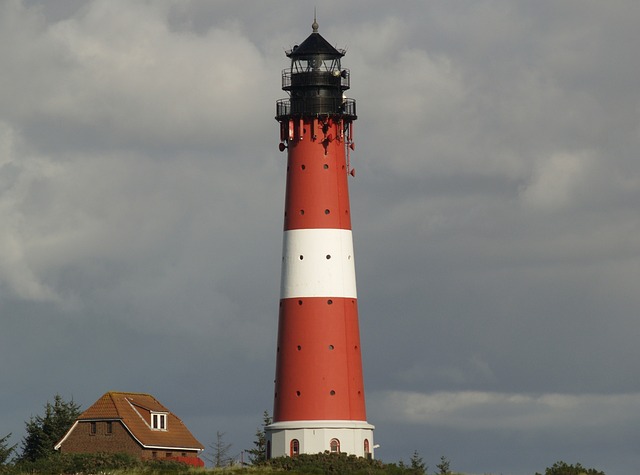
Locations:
(82, 440)
(119, 440)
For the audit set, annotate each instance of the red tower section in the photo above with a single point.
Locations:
(319, 369)
(319, 401)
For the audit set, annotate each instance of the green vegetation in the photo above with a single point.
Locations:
(326, 463)
(258, 454)
(319, 464)
(121, 464)
(562, 468)
(95, 464)
(43, 432)
(6, 451)
(417, 464)
(444, 467)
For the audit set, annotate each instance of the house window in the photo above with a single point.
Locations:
(109, 427)
(158, 421)
(93, 428)
(294, 447)
(366, 446)
(335, 446)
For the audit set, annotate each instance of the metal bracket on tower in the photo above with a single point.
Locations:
(350, 145)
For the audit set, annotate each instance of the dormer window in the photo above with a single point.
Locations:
(158, 421)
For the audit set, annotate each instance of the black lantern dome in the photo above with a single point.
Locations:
(315, 81)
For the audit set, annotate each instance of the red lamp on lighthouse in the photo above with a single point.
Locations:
(319, 400)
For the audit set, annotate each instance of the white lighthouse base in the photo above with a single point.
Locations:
(311, 437)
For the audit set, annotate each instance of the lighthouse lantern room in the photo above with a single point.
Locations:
(319, 400)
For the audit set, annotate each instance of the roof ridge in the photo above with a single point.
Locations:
(129, 392)
(136, 411)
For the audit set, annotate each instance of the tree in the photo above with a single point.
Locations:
(43, 432)
(444, 466)
(258, 455)
(220, 448)
(417, 464)
(562, 468)
(5, 450)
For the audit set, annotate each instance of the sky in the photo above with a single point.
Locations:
(494, 211)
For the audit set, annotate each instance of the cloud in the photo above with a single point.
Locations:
(556, 179)
(116, 72)
(479, 410)
(17, 178)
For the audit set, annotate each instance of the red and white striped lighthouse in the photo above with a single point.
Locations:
(319, 402)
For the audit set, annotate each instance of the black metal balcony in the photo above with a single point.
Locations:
(316, 106)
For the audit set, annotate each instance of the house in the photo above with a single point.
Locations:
(133, 423)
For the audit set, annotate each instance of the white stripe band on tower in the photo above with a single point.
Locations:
(318, 263)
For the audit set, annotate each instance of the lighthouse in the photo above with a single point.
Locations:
(319, 399)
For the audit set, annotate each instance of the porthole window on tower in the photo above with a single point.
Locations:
(294, 447)
(334, 445)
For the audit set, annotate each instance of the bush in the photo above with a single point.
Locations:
(98, 463)
(326, 463)
(562, 468)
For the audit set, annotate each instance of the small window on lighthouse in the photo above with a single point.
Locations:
(294, 448)
(335, 446)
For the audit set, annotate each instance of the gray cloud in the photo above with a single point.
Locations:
(494, 213)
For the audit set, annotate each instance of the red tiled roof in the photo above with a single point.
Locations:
(134, 410)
